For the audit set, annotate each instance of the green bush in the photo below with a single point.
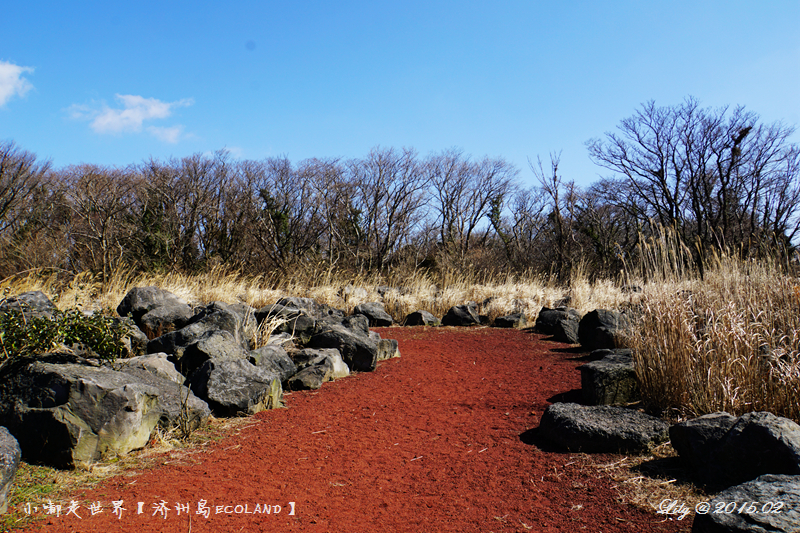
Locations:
(28, 336)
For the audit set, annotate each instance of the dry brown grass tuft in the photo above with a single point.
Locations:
(729, 342)
(647, 480)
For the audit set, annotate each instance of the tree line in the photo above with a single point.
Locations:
(718, 177)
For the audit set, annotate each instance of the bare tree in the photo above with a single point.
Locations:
(32, 217)
(287, 222)
(562, 197)
(20, 175)
(154, 235)
(525, 228)
(465, 193)
(605, 228)
(99, 199)
(225, 225)
(391, 193)
(198, 178)
(343, 235)
(715, 175)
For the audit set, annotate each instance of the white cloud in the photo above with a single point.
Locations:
(131, 116)
(135, 110)
(81, 112)
(169, 135)
(11, 81)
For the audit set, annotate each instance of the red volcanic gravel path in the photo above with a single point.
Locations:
(428, 442)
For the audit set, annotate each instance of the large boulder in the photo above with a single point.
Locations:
(246, 323)
(284, 340)
(603, 429)
(387, 349)
(30, 304)
(421, 318)
(561, 323)
(375, 313)
(723, 450)
(566, 331)
(358, 324)
(312, 376)
(767, 504)
(157, 364)
(9, 462)
(340, 368)
(278, 312)
(275, 359)
(219, 315)
(316, 366)
(68, 414)
(602, 328)
(292, 320)
(245, 313)
(164, 319)
(311, 307)
(237, 387)
(215, 344)
(359, 352)
(461, 315)
(155, 310)
(140, 300)
(548, 318)
(308, 305)
(135, 340)
(212, 318)
(313, 356)
(610, 381)
(514, 320)
(697, 440)
(306, 357)
(178, 405)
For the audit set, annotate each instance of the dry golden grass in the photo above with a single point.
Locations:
(417, 291)
(729, 342)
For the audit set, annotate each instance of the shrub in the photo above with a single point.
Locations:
(22, 335)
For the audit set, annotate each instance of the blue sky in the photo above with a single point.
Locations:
(115, 83)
